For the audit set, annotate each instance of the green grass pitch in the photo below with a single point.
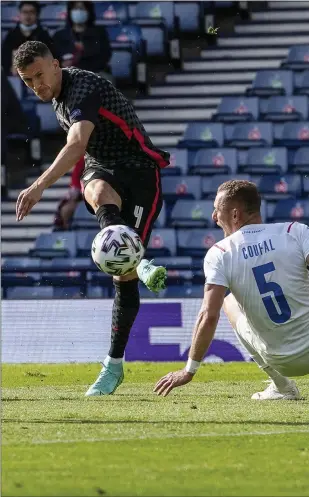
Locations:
(207, 438)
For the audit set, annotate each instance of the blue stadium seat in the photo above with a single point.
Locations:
(67, 292)
(293, 108)
(253, 134)
(300, 161)
(54, 14)
(291, 209)
(235, 109)
(73, 264)
(202, 135)
(178, 162)
(294, 134)
(160, 222)
(47, 116)
(97, 292)
(15, 271)
(127, 33)
(189, 15)
(122, 63)
(162, 243)
(192, 213)
(17, 85)
(82, 219)
(174, 262)
(9, 15)
(196, 242)
(84, 239)
(111, 11)
(24, 292)
(306, 185)
(274, 187)
(57, 244)
(271, 82)
(298, 58)
(303, 88)
(175, 187)
(215, 161)
(157, 11)
(210, 185)
(264, 160)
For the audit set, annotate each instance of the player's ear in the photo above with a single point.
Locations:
(56, 64)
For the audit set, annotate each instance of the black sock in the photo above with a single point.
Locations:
(125, 309)
(109, 214)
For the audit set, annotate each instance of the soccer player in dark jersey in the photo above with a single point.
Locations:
(121, 179)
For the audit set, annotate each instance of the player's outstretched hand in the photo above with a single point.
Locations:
(172, 380)
(26, 200)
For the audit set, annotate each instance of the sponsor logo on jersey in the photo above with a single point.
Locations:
(75, 113)
(88, 176)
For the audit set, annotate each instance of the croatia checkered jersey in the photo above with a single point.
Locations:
(119, 137)
(265, 268)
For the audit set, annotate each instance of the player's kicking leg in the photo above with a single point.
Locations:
(280, 387)
(106, 203)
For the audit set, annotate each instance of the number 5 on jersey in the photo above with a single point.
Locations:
(270, 286)
(138, 213)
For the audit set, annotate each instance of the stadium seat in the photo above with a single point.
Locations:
(57, 244)
(214, 161)
(9, 15)
(16, 271)
(306, 185)
(294, 134)
(298, 58)
(192, 213)
(178, 162)
(235, 109)
(291, 209)
(111, 11)
(47, 116)
(174, 262)
(128, 33)
(97, 292)
(196, 242)
(160, 222)
(300, 162)
(303, 88)
(190, 16)
(54, 14)
(67, 292)
(293, 108)
(162, 243)
(253, 134)
(84, 241)
(210, 185)
(265, 160)
(272, 82)
(82, 219)
(274, 187)
(156, 11)
(175, 187)
(122, 63)
(24, 292)
(17, 86)
(202, 135)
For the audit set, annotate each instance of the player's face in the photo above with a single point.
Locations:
(43, 76)
(223, 215)
(28, 15)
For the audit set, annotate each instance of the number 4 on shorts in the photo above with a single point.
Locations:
(138, 212)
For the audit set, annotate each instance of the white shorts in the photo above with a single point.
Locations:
(287, 366)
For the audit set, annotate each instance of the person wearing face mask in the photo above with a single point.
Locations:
(81, 43)
(27, 29)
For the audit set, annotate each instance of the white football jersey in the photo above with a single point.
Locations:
(264, 266)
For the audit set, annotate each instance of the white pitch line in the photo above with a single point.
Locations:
(160, 437)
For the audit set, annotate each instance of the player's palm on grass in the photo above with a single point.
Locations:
(172, 380)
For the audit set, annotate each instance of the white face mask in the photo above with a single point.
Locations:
(79, 16)
(23, 27)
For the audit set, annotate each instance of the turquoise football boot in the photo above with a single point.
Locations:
(109, 379)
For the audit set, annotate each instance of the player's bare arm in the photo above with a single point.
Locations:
(203, 334)
(77, 140)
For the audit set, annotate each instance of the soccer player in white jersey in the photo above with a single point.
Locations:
(264, 266)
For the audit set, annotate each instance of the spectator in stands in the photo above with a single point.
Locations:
(68, 204)
(81, 43)
(27, 29)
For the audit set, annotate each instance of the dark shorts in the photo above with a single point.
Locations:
(140, 191)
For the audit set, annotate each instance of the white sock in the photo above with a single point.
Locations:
(111, 360)
(281, 382)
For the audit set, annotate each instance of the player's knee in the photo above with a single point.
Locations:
(104, 194)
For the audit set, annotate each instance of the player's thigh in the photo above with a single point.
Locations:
(101, 188)
(143, 204)
(295, 366)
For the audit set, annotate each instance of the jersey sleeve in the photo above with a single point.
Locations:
(303, 236)
(214, 268)
(84, 105)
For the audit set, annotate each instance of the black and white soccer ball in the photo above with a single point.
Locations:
(117, 250)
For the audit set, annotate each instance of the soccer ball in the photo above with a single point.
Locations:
(117, 250)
